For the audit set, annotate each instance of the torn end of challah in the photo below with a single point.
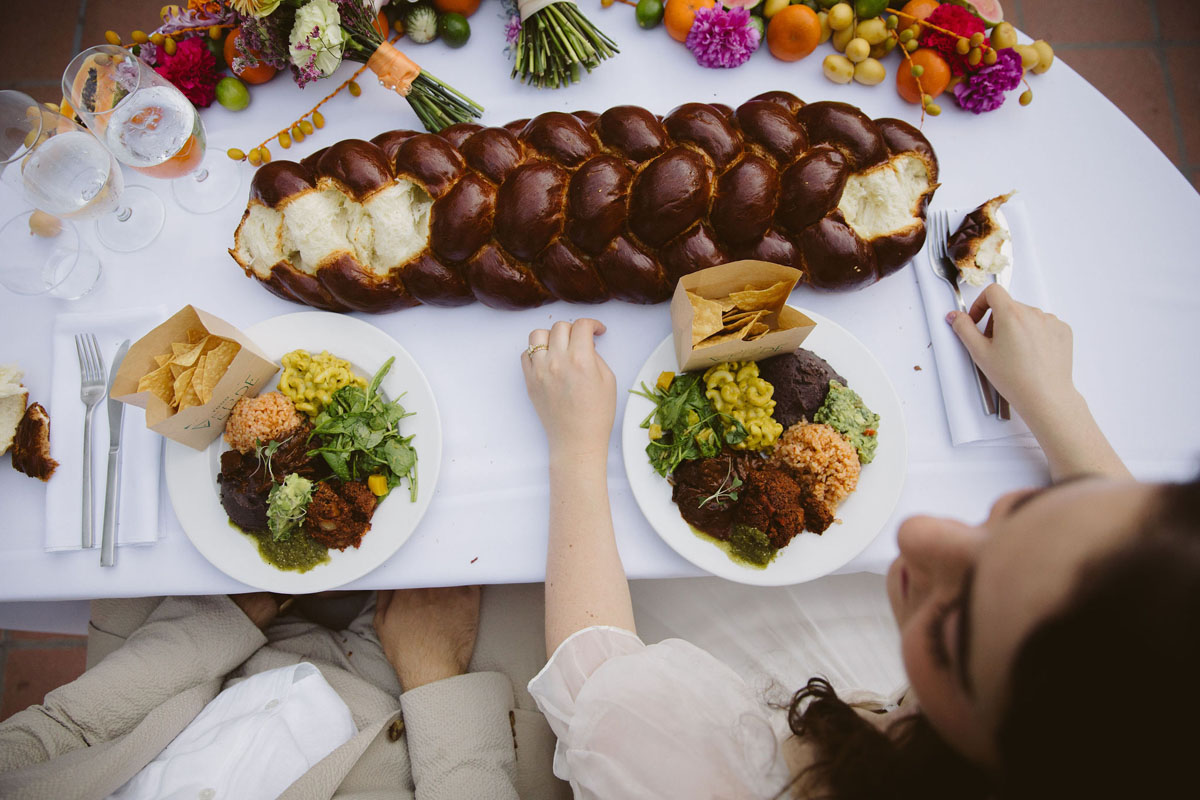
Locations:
(318, 225)
(886, 199)
(977, 247)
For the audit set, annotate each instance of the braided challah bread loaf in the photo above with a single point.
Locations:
(585, 207)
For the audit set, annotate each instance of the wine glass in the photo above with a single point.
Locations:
(46, 255)
(63, 170)
(149, 125)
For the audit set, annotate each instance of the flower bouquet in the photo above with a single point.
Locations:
(551, 40)
(313, 37)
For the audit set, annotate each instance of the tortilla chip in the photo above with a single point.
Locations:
(757, 330)
(196, 336)
(162, 360)
(176, 370)
(159, 383)
(182, 384)
(218, 361)
(720, 338)
(771, 298)
(740, 319)
(186, 354)
(706, 317)
(197, 384)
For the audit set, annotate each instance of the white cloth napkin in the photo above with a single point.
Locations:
(251, 742)
(141, 448)
(964, 410)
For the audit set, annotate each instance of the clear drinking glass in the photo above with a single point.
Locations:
(149, 125)
(62, 169)
(51, 259)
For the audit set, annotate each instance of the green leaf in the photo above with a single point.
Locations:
(400, 457)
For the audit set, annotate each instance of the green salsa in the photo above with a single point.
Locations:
(844, 411)
(298, 553)
(746, 546)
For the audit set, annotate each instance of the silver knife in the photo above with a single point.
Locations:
(112, 484)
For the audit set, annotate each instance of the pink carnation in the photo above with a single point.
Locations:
(721, 38)
(193, 70)
(952, 18)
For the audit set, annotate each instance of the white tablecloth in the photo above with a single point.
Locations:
(1115, 222)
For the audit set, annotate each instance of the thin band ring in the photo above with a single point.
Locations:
(533, 348)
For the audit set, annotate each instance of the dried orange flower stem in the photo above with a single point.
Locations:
(908, 57)
(983, 47)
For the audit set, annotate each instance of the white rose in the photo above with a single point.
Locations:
(326, 45)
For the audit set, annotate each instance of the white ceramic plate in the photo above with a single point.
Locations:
(809, 555)
(192, 475)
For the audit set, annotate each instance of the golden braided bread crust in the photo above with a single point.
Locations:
(589, 207)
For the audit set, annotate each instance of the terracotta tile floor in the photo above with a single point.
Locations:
(1144, 55)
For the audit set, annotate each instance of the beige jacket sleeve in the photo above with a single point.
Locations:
(185, 648)
(460, 738)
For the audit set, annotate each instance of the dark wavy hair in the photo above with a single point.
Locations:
(1100, 694)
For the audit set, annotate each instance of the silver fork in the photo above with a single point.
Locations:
(947, 270)
(92, 389)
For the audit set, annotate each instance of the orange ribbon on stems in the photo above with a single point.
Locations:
(395, 70)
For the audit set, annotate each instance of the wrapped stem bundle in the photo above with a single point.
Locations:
(437, 104)
(556, 40)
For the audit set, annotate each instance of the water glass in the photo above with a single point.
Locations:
(62, 169)
(48, 260)
(149, 125)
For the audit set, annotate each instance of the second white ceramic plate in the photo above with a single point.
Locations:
(809, 555)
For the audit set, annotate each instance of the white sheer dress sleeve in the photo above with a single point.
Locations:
(666, 720)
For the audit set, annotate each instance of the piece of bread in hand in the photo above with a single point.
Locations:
(31, 450)
(13, 398)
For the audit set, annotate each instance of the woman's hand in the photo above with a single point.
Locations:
(572, 388)
(1026, 353)
(427, 634)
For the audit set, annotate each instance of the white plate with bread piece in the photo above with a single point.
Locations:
(809, 555)
(192, 474)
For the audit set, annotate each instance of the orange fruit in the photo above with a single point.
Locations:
(464, 7)
(916, 9)
(679, 15)
(261, 73)
(933, 80)
(793, 33)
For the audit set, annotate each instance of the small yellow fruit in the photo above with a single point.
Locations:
(254, 158)
(139, 36)
(398, 26)
(841, 17)
(842, 38)
(355, 89)
(1045, 56)
(235, 154)
(962, 47)
(873, 30)
(911, 45)
(976, 39)
(870, 72)
(858, 49)
(214, 32)
(773, 7)
(1004, 35)
(1026, 97)
(917, 70)
(318, 119)
(44, 225)
(169, 46)
(838, 69)
(285, 141)
(169, 11)
(297, 134)
(826, 31)
(306, 126)
(990, 56)
(157, 39)
(975, 57)
(933, 109)
(113, 38)
(1029, 55)
(264, 154)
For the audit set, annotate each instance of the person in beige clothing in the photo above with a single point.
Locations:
(427, 728)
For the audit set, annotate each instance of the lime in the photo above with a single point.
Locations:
(649, 13)
(867, 9)
(232, 94)
(455, 29)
